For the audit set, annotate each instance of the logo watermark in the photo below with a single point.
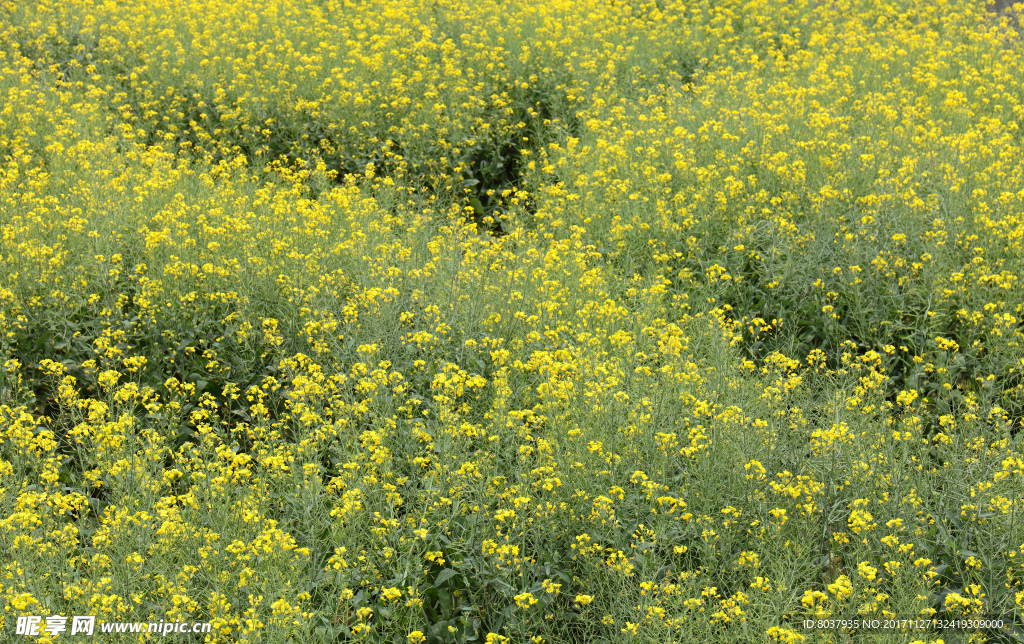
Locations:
(35, 625)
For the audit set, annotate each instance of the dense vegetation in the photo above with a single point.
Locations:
(443, 321)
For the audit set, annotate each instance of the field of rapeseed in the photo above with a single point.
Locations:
(504, 322)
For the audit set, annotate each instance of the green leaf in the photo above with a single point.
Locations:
(446, 600)
(445, 575)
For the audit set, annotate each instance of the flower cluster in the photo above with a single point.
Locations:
(511, 321)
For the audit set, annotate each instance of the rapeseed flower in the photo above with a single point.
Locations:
(358, 317)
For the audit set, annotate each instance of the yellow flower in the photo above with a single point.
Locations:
(841, 588)
(865, 570)
(584, 600)
(785, 635)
